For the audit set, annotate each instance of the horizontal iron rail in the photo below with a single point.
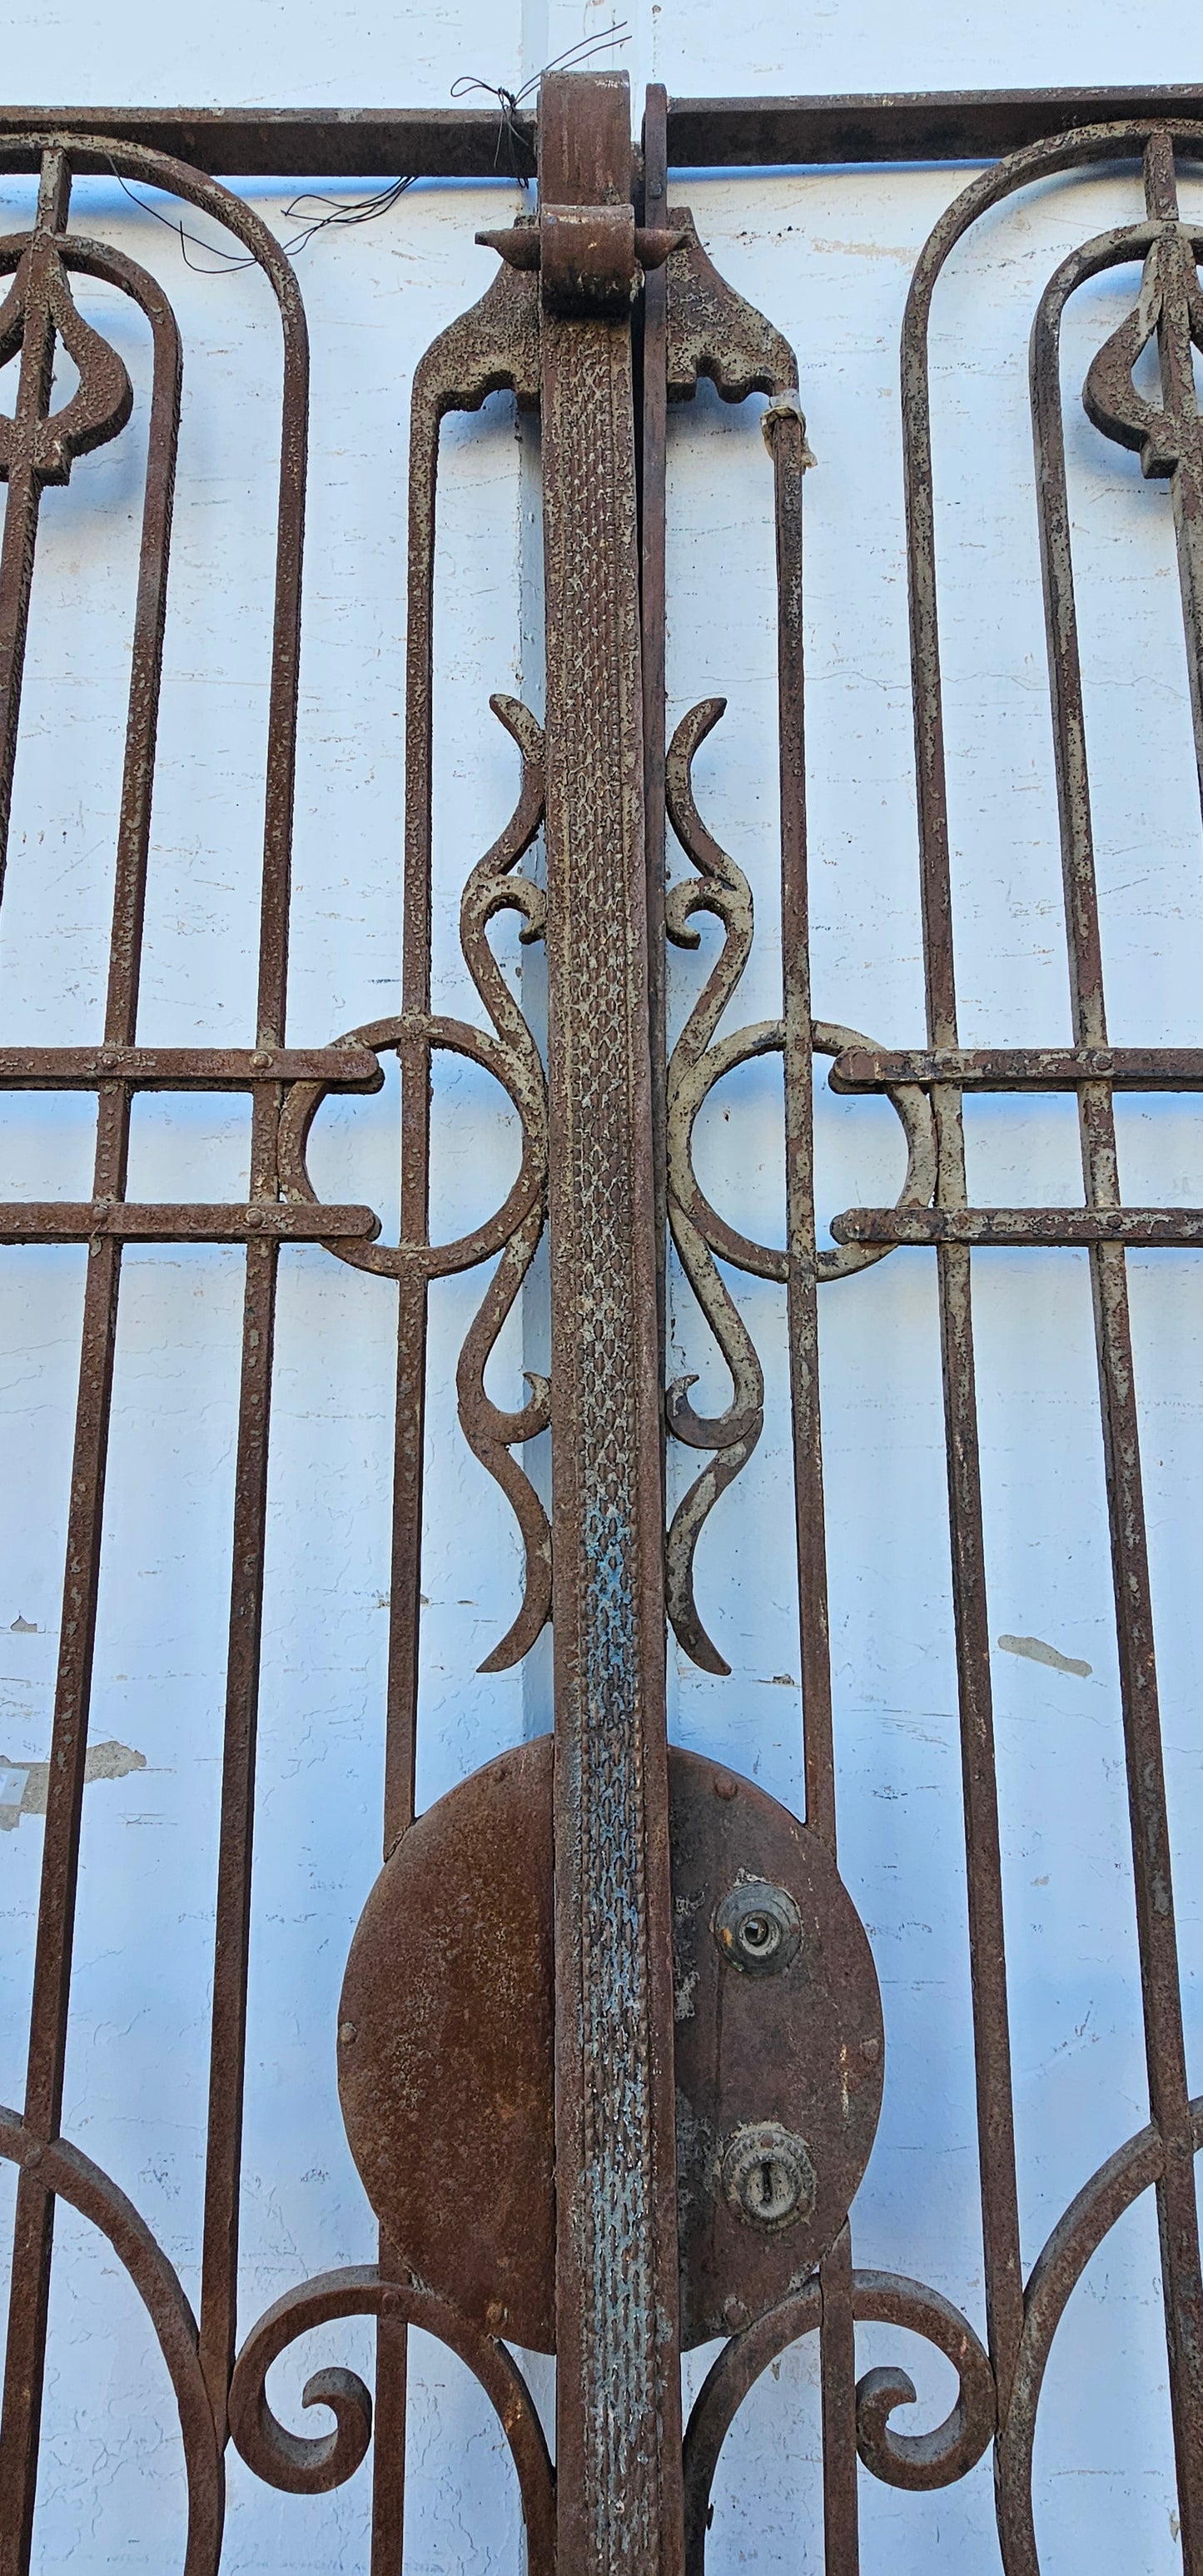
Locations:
(1019, 1068)
(703, 133)
(186, 1068)
(147, 1221)
(1047, 1226)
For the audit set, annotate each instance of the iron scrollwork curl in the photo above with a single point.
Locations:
(72, 2177)
(509, 1052)
(312, 2465)
(1134, 2168)
(702, 1237)
(722, 890)
(910, 2460)
(490, 1432)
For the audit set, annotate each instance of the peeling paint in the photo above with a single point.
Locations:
(1038, 1653)
(24, 1785)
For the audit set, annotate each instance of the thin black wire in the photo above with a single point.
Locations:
(509, 100)
(363, 210)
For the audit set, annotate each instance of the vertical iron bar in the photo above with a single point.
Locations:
(405, 1579)
(654, 436)
(837, 2351)
(231, 1947)
(620, 2508)
(231, 1951)
(1177, 2207)
(987, 1944)
(787, 438)
(34, 2231)
(24, 496)
(1176, 355)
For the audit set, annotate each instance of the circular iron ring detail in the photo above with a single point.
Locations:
(765, 1261)
(434, 1260)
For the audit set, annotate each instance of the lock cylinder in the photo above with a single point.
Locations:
(758, 1928)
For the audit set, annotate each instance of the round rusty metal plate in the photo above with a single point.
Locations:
(446, 2058)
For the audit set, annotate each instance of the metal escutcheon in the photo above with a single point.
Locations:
(446, 2027)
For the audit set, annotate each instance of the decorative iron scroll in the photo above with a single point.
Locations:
(692, 325)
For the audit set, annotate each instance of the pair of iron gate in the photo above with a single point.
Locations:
(636, 1984)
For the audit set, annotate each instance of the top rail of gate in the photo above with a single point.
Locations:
(703, 133)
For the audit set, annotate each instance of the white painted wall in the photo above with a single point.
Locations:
(829, 255)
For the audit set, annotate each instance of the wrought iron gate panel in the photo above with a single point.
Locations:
(623, 1978)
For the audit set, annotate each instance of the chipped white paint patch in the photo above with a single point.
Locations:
(1037, 1652)
(23, 1785)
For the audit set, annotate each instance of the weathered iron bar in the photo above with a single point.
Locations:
(1176, 445)
(235, 1857)
(35, 459)
(785, 432)
(1049, 1226)
(703, 133)
(1174, 309)
(651, 352)
(997, 2164)
(618, 2385)
(26, 460)
(339, 1068)
(155, 1221)
(1019, 1068)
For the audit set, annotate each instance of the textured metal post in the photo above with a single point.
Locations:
(618, 2449)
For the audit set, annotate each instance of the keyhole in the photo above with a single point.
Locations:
(767, 2175)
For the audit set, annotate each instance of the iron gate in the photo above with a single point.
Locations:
(639, 1983)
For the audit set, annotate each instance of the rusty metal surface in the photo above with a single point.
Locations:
(446, 2057)
(30, 450)
(1106, 1226)
(907, 2460)
(713, 133)
(618, 2392)
(773, 2036)
(555, 2024)
(445, 2049)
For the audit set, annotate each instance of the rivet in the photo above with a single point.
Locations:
(724, 1785)
(347, 2032)
(495, 2316)
(736, 2314)
(258, 1057)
